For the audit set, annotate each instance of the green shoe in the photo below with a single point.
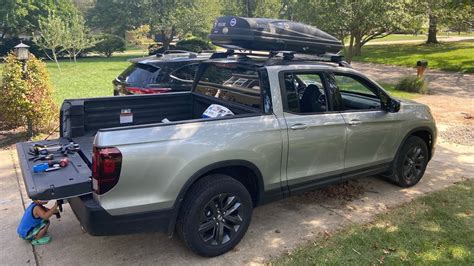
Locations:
(41, 241)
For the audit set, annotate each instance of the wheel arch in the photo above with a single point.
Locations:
(425, 133)
(252, 180)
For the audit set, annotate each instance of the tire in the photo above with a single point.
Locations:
(215, 215)
(411, 162)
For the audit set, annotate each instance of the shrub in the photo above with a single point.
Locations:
(26, 98)
(194, 45)
(412, 84)
(154, 49)
(108, 44)
(158, 49)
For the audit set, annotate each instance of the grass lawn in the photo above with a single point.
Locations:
(390, 88)
(410, 37)
(434, 229)
(452, 56)
(90, 77)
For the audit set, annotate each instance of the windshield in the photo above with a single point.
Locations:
(231, 82)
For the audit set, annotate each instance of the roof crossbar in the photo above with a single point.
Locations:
(286, 56)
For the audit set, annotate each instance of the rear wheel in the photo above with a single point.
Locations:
(215, 215)
(411, 162)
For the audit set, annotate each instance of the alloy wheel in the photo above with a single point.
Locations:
(220, 219)
(413, 163)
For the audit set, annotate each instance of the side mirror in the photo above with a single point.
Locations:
(393, 105)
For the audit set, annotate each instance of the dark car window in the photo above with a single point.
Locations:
(355, 93)
(232, 83)
(185, 73)
(305, 93)
(139, 73)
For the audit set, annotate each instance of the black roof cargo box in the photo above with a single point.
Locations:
(263, 34)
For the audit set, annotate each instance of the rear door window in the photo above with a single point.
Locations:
(303, 93)
(184, 74)
(139, 74)
(231, 82)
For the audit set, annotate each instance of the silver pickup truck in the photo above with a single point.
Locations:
(153, 162)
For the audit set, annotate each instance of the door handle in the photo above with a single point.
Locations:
(354, 122)
(299, 126)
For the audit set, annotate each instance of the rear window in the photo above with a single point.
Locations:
(231, 82)
(139, 73)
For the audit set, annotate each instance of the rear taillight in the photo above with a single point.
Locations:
(137, 90)
(106, 165)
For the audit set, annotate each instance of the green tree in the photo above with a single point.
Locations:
(77, 37)
(359, 21)
(23, 16)
(462, 19)
(167, 18)
(258, 8)
(26, 98)
(442, 13)
(171, 18)
(140, 37)
(53, 36)
(13, 15)
(117, 16)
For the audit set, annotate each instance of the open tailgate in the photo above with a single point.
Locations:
(67, 182)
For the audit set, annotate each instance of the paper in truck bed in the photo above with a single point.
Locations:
(67, 182)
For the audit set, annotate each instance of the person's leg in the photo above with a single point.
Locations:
(34, 232)
(40, 237)
(42, 232)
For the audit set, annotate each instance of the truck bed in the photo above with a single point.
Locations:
(84, 117)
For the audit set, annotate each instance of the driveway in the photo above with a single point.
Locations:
(276, 228)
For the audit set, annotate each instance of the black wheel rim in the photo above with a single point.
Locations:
(413, 163)
(220, 219)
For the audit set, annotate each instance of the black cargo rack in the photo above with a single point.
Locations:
(288, 56)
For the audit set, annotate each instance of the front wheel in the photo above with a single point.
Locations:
(411, 162)
(215, 215)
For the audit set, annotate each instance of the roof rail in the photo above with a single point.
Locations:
(170, 52)
(286, 56)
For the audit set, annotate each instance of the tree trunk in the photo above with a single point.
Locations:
(357, 46)
(351, 49)
(357, 49)
(432, 29)
(166, 43)
(29, 128)
(56, 60)
(247, 6)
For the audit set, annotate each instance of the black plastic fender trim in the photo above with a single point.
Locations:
(200, 173)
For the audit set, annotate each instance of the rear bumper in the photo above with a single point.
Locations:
(98, 222)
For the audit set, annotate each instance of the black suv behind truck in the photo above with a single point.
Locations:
(159, 74)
